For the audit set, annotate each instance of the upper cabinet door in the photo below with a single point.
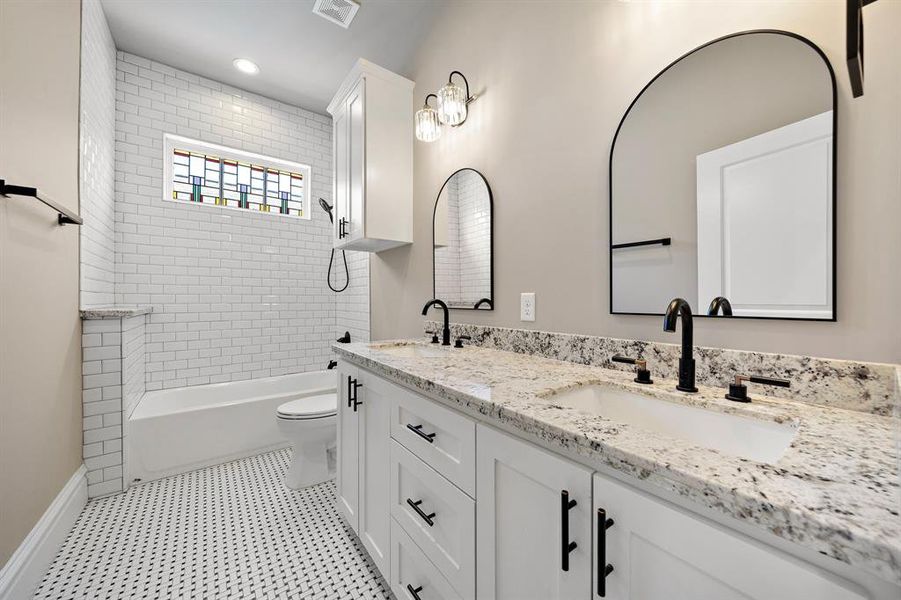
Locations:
(342, 173)
(521, 523)
(356, 151)
(660, 551)
(348, 477)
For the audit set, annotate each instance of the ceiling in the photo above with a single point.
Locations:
(302, 57)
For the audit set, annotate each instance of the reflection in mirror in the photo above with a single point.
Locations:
(462, 229)
(722, 184)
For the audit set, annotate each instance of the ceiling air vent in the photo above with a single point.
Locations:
(340, 12)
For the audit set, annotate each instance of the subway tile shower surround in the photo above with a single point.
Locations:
(236, 296)
(851, 385)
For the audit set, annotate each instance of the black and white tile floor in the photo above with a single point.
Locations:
(232, 531)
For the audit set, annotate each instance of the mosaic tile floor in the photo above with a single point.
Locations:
(232, 531)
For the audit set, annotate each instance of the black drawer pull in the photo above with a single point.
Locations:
(417, 429)
(604, 568)
(419, 511)
(414, 593)
(352, 396)
(566, 546)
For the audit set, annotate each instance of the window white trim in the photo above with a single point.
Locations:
(171, 142)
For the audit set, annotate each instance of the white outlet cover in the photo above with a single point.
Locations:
(527, 306)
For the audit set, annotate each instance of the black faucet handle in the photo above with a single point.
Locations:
(459, 342)
(738, 391)
(434, 335)
(642, 374)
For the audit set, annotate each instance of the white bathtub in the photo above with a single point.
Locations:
(182, 429)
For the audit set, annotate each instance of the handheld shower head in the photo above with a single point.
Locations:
(327, 208)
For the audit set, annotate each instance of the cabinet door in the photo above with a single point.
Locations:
(520, 522)
(356, 162)
(341, 154)
(348, 476)
(658, 550)
(375, 469)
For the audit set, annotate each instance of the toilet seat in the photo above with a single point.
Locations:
(309, 408)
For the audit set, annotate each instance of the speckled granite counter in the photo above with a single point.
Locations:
(114, 311)
(835, 490)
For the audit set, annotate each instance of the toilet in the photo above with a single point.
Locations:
(310, 424)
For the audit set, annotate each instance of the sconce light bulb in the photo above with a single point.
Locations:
(428, 128)
(451, 104)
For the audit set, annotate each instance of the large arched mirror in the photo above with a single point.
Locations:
(462, 258)
(722, 183)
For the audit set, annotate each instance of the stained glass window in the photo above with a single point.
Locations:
(236, 179)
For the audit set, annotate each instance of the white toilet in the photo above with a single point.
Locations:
(310, 423)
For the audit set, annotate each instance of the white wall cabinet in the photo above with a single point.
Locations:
(372, 151)
(404, 485)
(522, 526)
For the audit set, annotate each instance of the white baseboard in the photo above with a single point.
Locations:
(28, 564)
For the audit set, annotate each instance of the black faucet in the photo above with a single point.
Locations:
(679, 308)
(720, 302)
(445, 334)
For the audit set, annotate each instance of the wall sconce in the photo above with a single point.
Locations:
(428, 127)
(452, 109)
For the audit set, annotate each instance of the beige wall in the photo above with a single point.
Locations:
(554, 80)
(40, 343)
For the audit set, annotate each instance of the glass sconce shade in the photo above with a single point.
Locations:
(451, 104)
(428, 129)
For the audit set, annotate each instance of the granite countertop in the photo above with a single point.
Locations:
(114, 311)
(835, 490)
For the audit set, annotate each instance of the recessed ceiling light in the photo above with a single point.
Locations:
(246, 66)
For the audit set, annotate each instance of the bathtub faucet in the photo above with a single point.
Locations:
(332, 364)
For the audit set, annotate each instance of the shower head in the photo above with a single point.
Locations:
(327, 208)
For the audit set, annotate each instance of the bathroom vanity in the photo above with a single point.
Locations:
(479, 473)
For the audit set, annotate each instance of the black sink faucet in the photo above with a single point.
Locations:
(679, 308)
(720, 302)
(445, 334)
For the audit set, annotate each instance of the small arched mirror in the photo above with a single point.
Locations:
(463, 257)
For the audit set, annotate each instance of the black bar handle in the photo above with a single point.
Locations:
(566, 546)
(604, 568)
(427, 518)
(417, 429)
(769, 380)
(352, 397)
(414, 592)
(660, 241)
(623, 359)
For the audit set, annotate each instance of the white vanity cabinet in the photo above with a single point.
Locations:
(364, 404)
(531, 505)
(658, 550)
(450, 508)
(372, 150)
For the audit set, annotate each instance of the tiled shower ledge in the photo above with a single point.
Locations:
(114, 311)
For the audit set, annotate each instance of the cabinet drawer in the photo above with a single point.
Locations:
(445, 440)
(436, 515)
(410, 567)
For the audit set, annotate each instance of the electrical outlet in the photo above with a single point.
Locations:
(527, 306)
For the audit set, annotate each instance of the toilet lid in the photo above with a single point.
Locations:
(309, 407)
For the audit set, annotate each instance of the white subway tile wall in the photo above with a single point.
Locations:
(96, 172)
(447, 256)
(353, 303)
(235, 296)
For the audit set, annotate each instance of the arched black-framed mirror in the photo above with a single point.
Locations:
(463, 242)
(722, 183)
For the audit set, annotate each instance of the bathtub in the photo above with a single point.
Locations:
(182, 429)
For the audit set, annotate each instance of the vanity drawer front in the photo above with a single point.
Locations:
(410, 567)
(445, 440)
(436, 515)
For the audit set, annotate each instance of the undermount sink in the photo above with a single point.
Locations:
(744, 437)
(412, 350)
